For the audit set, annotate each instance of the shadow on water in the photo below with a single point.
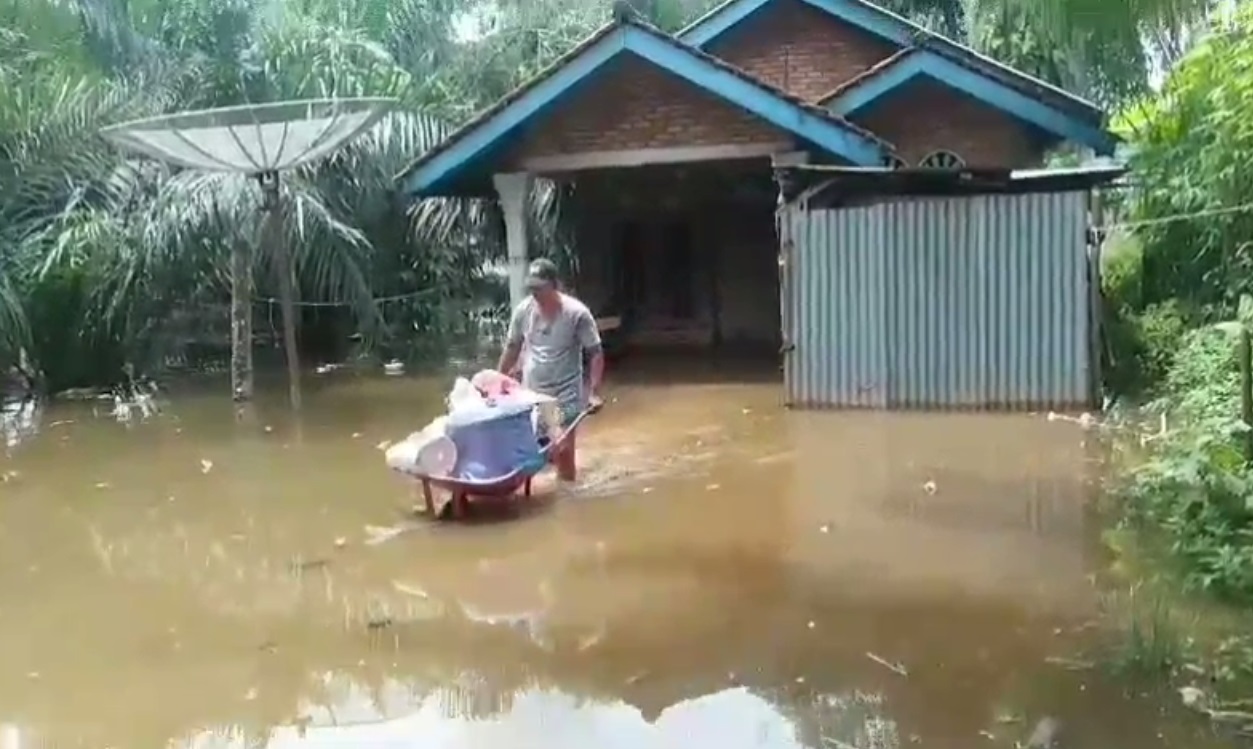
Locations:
(727, 574)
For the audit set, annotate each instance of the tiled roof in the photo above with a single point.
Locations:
(952, 50)
(565, 59)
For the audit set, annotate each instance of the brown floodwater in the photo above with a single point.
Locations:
(728, 574)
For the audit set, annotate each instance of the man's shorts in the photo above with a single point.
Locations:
(570, 411)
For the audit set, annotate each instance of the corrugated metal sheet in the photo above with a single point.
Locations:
(836, 309)
(973, 302)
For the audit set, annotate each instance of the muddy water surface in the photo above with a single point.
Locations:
(728, 574)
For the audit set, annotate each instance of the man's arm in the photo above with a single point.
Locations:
(513, 343)
(589, 341)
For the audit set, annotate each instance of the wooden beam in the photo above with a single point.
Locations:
(647, 156)
(791, 158)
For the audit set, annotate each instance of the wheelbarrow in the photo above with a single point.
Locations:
(506, 487)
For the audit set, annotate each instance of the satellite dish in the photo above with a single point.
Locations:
(254, 139)
(261, 141)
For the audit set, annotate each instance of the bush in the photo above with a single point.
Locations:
(1195, 491)
(1140, 347)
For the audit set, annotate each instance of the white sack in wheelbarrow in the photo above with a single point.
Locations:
(429, 452)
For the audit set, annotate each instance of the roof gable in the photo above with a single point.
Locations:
(910, 65)
(472, 146)
(894, 28)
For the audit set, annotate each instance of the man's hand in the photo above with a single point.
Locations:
(595, 403)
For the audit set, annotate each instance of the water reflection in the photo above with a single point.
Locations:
(19, 421)
(728, 572)
(393, 717)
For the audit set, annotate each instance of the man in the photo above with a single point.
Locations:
(558, 331)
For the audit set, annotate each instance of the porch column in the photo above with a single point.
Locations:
(513, 190)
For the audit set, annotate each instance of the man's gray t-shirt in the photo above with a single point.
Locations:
(552, 349)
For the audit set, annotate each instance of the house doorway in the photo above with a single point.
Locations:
(656, 283)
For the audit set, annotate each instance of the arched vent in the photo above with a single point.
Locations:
(942, 160)
(892, 161)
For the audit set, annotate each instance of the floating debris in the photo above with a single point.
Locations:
(1070, 664)
(304, 565)
(206, 466)
(394, 368)
(1085, 420)
(929, 487)
(1045, 735)
(1194, 698)
(410, 590)
(893, 667)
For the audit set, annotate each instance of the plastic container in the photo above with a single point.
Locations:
(491, 448)
(437, 457)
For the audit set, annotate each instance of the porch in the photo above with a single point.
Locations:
(683, 255)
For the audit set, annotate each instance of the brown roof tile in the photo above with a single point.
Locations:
(565, 59)
(961, 54)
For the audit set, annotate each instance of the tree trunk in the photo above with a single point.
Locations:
(241, 322)
(287, 300)
(1245, 358)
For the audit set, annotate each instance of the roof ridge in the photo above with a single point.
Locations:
(775, 90)
(868, 73)
(938, 43)
(645, 27)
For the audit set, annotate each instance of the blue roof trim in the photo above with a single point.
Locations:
(946, 72)
(429, 176)
(718, 21)
(872, 19)
(433, 175)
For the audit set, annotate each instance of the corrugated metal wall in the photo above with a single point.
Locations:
(972, 302)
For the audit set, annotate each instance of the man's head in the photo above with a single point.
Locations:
(542, 281)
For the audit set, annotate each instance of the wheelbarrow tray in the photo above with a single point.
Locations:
(518, 481)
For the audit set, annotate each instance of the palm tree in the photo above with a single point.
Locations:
(147, 242)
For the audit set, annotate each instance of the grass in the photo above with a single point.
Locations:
(1158, 632)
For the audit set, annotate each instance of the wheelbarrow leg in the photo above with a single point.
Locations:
(460, 503)
(428, 498)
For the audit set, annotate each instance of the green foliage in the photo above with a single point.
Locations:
(1140, 340)
(1193, 154)
(105, 260)
(1195, 490)
(1186, 258)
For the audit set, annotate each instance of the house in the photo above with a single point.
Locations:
(818, 177)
